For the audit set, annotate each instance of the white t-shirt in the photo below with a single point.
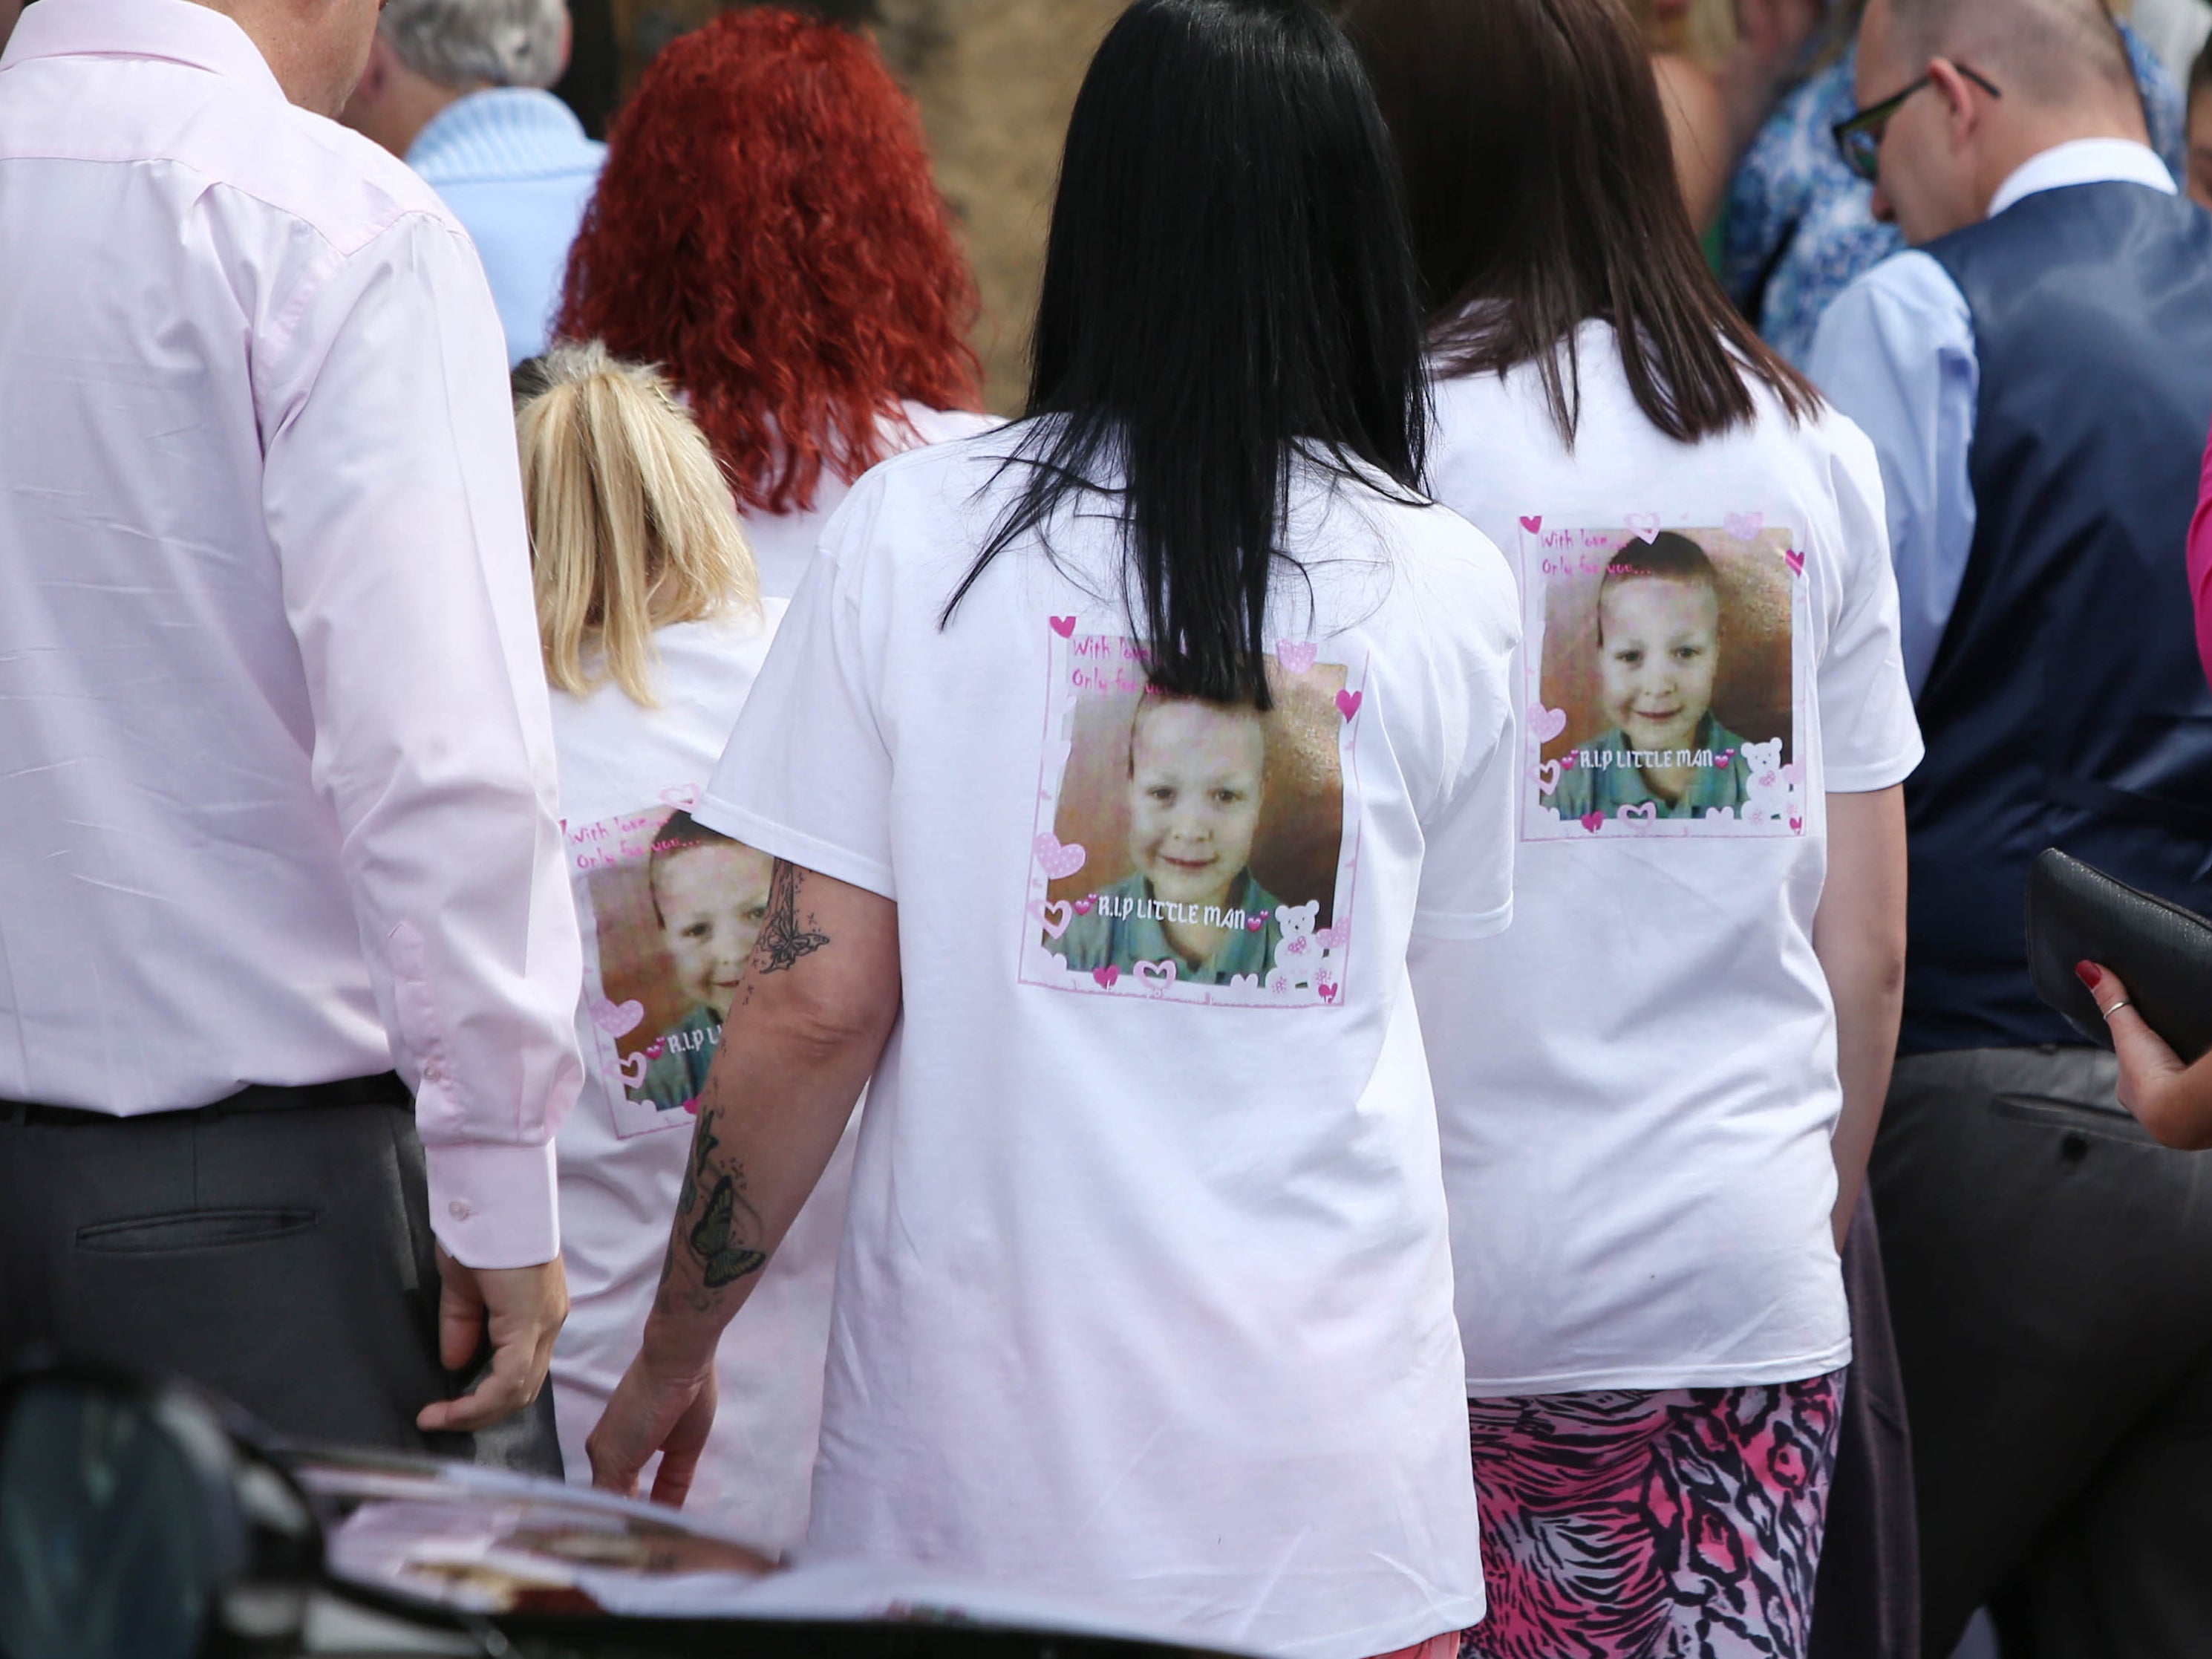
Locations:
(783, 542)
(1146, 1290)
(1637, 1084)
(661, 914)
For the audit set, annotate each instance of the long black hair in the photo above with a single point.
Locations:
(1228, 282)
(1540, 186)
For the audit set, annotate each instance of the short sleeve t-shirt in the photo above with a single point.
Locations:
(782, 542)
(1145, 1292)
(1637, 1084)
(668, 909)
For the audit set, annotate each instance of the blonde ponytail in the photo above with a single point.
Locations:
(631, 526)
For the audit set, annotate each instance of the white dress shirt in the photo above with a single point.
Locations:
(1896, 353)
(277, 782)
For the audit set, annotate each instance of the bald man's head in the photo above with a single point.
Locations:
(2043, 50)
(1995, 83)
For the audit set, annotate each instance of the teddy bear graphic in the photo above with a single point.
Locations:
(1298, 954)
(1767, 790)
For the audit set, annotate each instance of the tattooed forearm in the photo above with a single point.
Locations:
(722, 1244)
(703, 1142)
(783, 939)
(716, 1241)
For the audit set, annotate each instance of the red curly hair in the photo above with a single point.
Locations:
(766, 229)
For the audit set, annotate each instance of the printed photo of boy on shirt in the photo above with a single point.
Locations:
(1658, 656)
(1196, 788)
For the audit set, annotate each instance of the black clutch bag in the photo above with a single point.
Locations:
(2075, 914)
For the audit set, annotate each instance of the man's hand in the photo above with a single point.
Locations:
(521, 1308)
(663, 1406)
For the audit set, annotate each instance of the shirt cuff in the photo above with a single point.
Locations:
(796, 847)
(1867, 776)
(1428, 924)
(494, 1205)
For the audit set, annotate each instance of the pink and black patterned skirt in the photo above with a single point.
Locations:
(1683, 1524)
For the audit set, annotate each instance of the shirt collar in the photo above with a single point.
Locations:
(2078, 161)
(178, 30)
(502, 132)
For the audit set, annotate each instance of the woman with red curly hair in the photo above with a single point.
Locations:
(766, 230)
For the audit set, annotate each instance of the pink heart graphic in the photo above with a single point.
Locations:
(1156, 973)
(1744, 526)
(1327, 992)
(1796, 824)
(1545, 723)
(685, 796)
(1333, 938)
(1547, 777)
(1567, 761)
(616, 1019)
(1055, 916)
(654, 1049)
(1064, 626)
(1646, 809)
(1254, 924)
(1532, 522)
(1295, 655)
(1107, 977)
(692, 1105)
(1793, 774)
(1645, 525)
(1795, 561)
(1298, 944)
(1087, 903)
(1591, 821)
(1721, 757)
(1347, 703)
(1059, 861)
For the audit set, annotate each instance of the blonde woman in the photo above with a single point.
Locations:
(653, 631)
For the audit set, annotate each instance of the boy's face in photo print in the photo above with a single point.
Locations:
(675, 910)
(1196, 781)
(712, 897)
(1664, 700)
(1189, 848)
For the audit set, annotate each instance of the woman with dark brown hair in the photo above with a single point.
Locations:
(1657, 1089)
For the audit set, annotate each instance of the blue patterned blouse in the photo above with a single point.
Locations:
(1798, 223)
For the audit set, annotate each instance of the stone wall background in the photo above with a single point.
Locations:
(995, 80)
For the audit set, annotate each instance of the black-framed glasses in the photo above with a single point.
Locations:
(1859, 139)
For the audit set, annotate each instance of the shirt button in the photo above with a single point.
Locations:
(433, 1072)
(459, 1211)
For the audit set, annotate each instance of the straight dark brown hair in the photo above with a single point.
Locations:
(1541, 191)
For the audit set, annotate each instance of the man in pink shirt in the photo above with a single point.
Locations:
(277, 846)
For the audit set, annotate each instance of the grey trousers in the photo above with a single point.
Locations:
(282, 1258)
(1866, 1600)
(2050, 1280)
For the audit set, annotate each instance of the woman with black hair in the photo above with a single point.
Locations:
(1145, 1295)
(1658, 1091)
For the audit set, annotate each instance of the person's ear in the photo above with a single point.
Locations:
(1962, 100)
(375, 75)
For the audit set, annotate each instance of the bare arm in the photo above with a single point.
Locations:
(816, 1006)
(1859, 933)
(2172, 1101)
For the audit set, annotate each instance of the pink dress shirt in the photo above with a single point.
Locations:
(277, 780)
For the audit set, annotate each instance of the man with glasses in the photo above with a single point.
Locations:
(2036, 374)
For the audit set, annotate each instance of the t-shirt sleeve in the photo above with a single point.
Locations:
(806, 776)
(1467, 864)
(1870, 737)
